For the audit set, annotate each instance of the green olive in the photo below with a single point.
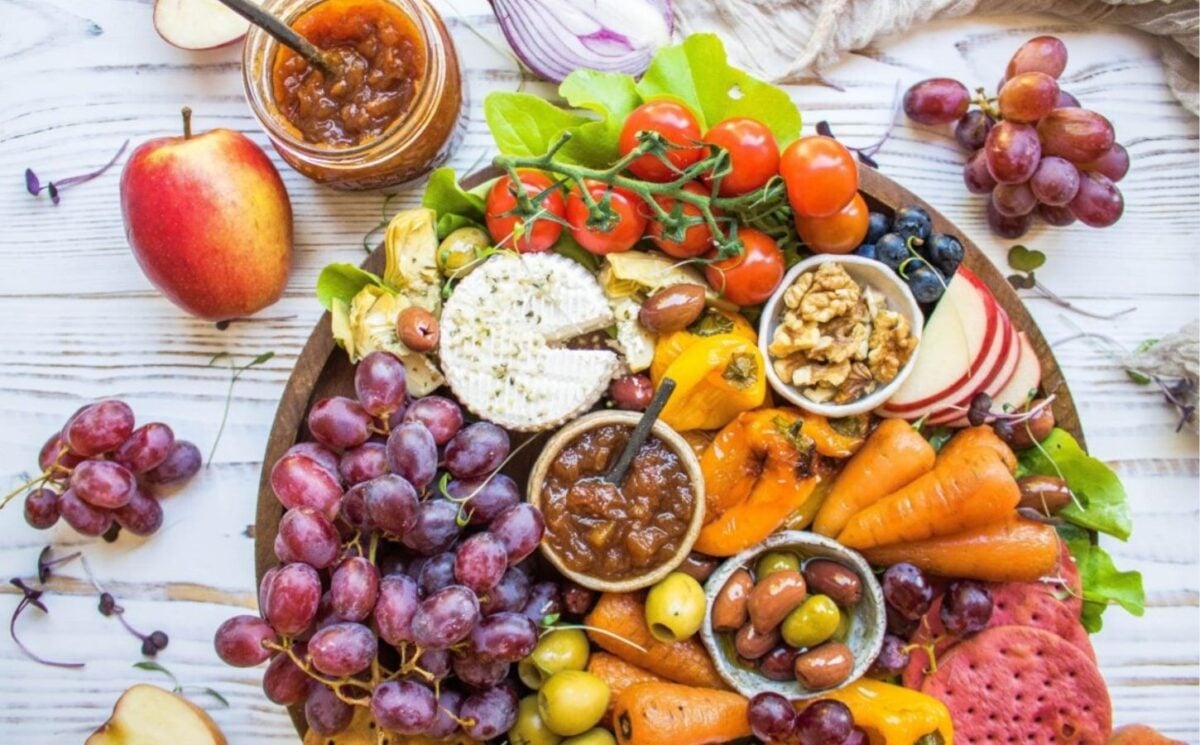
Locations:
(595, 736)
(842, 632)
(529, 729)
(571, 702)
(675, 607)
(558, 649)
(813, 622)
(460, 248)
(775, 561)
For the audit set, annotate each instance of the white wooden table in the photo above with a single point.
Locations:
(78, 321)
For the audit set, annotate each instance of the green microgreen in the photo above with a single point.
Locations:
(235, 373)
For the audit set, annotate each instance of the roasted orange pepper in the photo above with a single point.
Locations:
(713, 322)
(715, 380)
(838, 438)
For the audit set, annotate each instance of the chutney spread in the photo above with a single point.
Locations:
(380, 67)
(616, 533)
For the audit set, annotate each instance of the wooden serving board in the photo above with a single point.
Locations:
(323, 369)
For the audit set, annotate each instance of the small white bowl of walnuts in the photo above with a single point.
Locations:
(840, 335)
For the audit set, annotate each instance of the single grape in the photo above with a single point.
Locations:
(339, 422)
(395, 607)
(98, 428)
(308, 536)
(824, 722)
(141, 515)
(631, 392)
(1028, 96)
(55, 455)
(1014, 200)
(892, 250)
(1012, 152)
(292, 598)
(264, 588)
(506, 637)
(403, 706)
(180, 465)
(354, 588)
(966, 607)
(877, 224)
(445, 722)
(936, 101)
(392, 503)
(326, 616)
(857, 736)
(436, 527)
(440, 415)
(912, 221)
(363, 463)
(1007, 227)
(544, 600)
(1059, 216)
(926, 283)
(479, 672)
(476, 450)
(520, 529)
(489, 713)
(867, 251)
(1045, 54)
(146, 447)
(898, 624)
(971, 131)
(41, 508)
(1114, 163)
(892, 657)
(511, 593)
(445, 617)
(318, 452)
(103, 483)
(484, 498)
(299, 481)
(945, 252)
(380, 383)
(283, 682)
(906, 588)
(353, 509)
(437, 573)
(1055, 182)
(239, 641)
(83, 517)
(1099, 202)
(1066, 100)
(976, 176)
(412, 453)
(1079, 135)
(325, 713)
(577, 599)
(343, 649)
(481, 561)
(772, 718)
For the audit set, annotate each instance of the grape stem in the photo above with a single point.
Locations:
(984, 102)
(335, 684)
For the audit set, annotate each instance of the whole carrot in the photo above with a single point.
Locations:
(619, 674)
(972, 489)
(1013, 550)
(893, 455)
(671, 714)
(981, 436)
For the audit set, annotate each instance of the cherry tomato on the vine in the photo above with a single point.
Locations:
(626, 229)
(840, 233)
(753, 154)
(539, 233)
(696, 239)
(820, 174)
(676, 124)
(751, 277)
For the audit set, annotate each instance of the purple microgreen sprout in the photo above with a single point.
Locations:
(866, 155)
(55, 188)
(152, 643)
(32, 597)
(46, 565)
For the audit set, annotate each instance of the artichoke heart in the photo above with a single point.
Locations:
(368, 324)
(411, 246)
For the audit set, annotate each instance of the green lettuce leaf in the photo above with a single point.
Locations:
(1102, 504)
(524, 124)
(445, 196)
(1103, 584)
(611, 96)
(697, 73)
(342, 282)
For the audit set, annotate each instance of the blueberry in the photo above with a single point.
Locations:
(877, 224)
(891, 250)
(925, 282)
(867, 251)
(912, 221)
(945, 252)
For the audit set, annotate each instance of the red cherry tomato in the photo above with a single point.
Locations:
(675, 123)
(696, 239)
(820, 174)
(503, 223)
(626, 229)
(748, 279)
(753, 154)
(840, 233)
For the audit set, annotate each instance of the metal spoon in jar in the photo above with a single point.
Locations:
(284, 34)
(641, 432)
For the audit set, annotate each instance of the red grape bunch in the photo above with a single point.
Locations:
(1033, 148)
(403, 584)
(99, 473)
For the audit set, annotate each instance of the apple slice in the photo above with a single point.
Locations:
(198, 24)
(954, 346)
(990, 382)
(1026, 378)
(149, 715)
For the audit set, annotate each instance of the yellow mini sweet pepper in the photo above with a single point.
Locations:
(713, 322)
(894, 715)
(715, 380)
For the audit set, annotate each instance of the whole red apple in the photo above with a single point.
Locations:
(209, 221)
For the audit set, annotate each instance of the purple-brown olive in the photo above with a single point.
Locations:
(418, 329)
(830, 578)
(699, 566)
(1037, 427)
(631, 392)
(672, 308)
(751, 644)
(824, 667)
(730, 608)
(779, 663)
(1046, 494)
